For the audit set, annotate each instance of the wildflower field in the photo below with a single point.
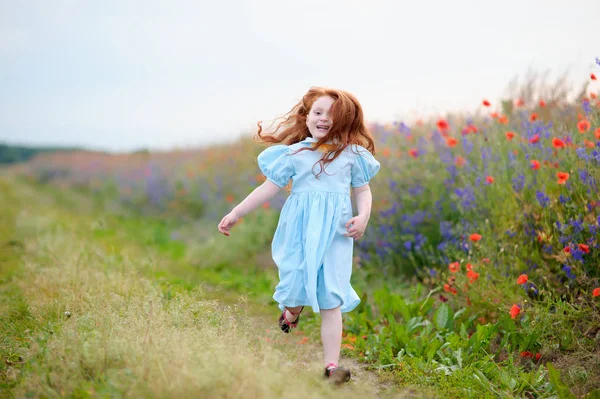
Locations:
(479, 271)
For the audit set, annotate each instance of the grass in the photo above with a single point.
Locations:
(87, 312)
(142, 311)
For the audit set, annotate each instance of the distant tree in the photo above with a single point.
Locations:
(15, 154)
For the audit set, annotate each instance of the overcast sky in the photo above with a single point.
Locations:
(124, 74)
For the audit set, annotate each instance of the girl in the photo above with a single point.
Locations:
(324, 148)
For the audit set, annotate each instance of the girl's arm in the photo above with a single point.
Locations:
(364, 200)
(256, 198)
(259, 196)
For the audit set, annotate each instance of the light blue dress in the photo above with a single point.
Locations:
(309, 248)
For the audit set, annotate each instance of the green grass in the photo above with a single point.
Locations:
(227, 268)
(140, 322)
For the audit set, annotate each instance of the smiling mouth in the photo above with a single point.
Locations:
(322, 127)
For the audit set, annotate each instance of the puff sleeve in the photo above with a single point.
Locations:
(276, 164)
(364, 168)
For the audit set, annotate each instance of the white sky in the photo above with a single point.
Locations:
(125, 74)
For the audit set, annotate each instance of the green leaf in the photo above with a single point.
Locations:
(561, 389)
(441, 316)
(595, 394)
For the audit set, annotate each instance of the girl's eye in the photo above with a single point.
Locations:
(317, 112)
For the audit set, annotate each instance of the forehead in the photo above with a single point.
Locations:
(323, 102)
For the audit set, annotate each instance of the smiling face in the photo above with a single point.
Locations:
(318, 119)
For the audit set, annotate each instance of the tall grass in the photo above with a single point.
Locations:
(91, 323)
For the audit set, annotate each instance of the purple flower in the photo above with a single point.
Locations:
(568, 272)
(582, 153)
(542, 199)
(587, 107)
(518, 183)
(467, 197)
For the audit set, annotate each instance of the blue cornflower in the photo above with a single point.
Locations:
(542, 199)
(467, 197)
(567, 270)
(564, 199)
(582, 153)
(587, 107)
(577, 225)
(518, 183)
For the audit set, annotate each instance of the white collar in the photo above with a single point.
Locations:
(314, 140)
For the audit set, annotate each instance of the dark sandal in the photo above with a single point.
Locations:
(286, 325)
(336, 374)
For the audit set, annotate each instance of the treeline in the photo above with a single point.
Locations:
(14, 154)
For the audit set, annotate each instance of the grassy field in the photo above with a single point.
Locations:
(478, 272)
(89, 310)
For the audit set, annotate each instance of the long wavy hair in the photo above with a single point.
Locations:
(348, 126)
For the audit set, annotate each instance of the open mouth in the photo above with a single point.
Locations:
(323, 128)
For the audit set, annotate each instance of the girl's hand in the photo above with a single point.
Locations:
(227, 223)
(359, 224)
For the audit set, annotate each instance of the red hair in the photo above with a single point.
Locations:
(348, 125)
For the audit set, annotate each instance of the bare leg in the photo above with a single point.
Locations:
(331, 334)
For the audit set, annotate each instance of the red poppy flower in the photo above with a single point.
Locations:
(567, 250)
(489, 179)
(584, 248)
(593, 96)
(597, 133)
(469, 267)
(558, 143)
(503, 119)
(451, 141)
(537, 356)
(486, 103)
(522, 279)
(514, 311)
(472, 129)
(472, 276)
(592, 76)
(535, 164)
(475, 237)
(454, 267)
(526, 354)
(485, 260)
(583, 125)
(562, 177)
(450, 289)
(596, 292)
(542, 103)
(533, 117)
(442, 124)
(589, 144)
(460, 161)
(413, 152)
(520, 102)
(534, 139)
(510, 135)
